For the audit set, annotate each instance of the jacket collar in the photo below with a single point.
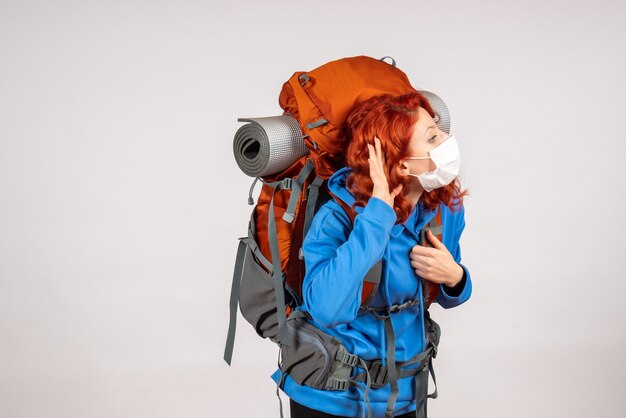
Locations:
(418, 217)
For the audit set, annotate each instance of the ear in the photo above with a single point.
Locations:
(402, 167)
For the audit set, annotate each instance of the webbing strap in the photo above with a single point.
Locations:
(280, 379)
(299, 314)
(284, 183)
(379, 374)
(430, 351)
(296, 189)
(311, 203)
(384, 313)
(432, 372)
(368, 384)
(278, 276)
(437, 229)
(423, 389)
(317, 123)
(234, 301)
(391, 369)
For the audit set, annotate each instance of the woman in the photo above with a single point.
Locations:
(400, 169)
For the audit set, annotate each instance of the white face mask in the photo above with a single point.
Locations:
(447, 160)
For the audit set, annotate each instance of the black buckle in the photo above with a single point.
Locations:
(434, 352)
(385, 312)
(347, 358)
(379, 313)
(402, 306)
(337, 384)
(378, 373)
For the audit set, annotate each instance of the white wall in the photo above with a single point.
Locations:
(120, 200)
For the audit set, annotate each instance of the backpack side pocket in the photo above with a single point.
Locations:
(257, 299)
(433, 331)
(312, 360)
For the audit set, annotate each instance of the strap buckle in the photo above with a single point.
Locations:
(378, 373)
(379, 313)
(287, 182)
(347, 358)
(435, 348)
(400, 307)
(384, 313)
(337, 384)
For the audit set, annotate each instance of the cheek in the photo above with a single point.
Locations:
(425, 166)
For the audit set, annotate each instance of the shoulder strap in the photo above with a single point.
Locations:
(371, 281)
(430, 293)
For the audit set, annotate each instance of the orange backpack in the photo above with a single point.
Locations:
(320, 100)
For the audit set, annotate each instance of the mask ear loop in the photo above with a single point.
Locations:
(417, 158)
(426, 158)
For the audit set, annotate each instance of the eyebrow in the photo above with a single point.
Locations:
(430, 127)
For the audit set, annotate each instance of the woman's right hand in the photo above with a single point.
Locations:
(377, 173)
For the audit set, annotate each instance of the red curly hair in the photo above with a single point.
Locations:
(391, 119)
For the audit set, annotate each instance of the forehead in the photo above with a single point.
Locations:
(417, 144)
(424, 120)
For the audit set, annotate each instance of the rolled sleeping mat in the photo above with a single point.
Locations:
(268, 145)
(442, 115)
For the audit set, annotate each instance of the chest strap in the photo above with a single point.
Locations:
(385, 312)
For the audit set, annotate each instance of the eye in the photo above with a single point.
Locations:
(431, 139)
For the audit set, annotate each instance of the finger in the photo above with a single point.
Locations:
(418, 263)
(416, 252)
(372, 153)
(372, 156)
(421, 271)
(421, 251)
(379, 150)
(372, 160)
(433, 238)
(373, 171)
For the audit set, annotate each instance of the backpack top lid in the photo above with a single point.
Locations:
(321, 100)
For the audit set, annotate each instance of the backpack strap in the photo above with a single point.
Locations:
(421, 381)
(435, 225)
(278, 275)
(311, 204)
(371, 281)
(296, 189)
(234, 298)
(392, 371)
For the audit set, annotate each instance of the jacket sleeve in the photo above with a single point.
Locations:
(337, 258)
(449, 297)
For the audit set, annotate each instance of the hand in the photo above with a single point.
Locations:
(377, 173)
(435, 263)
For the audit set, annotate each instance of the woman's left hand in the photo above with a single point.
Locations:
(435, 263)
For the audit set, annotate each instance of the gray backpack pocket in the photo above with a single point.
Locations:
(313, 359)
(433, 331)
(257, 300)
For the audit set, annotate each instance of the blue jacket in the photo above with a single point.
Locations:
(336, 260)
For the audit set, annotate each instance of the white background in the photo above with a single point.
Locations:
(121, 202)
